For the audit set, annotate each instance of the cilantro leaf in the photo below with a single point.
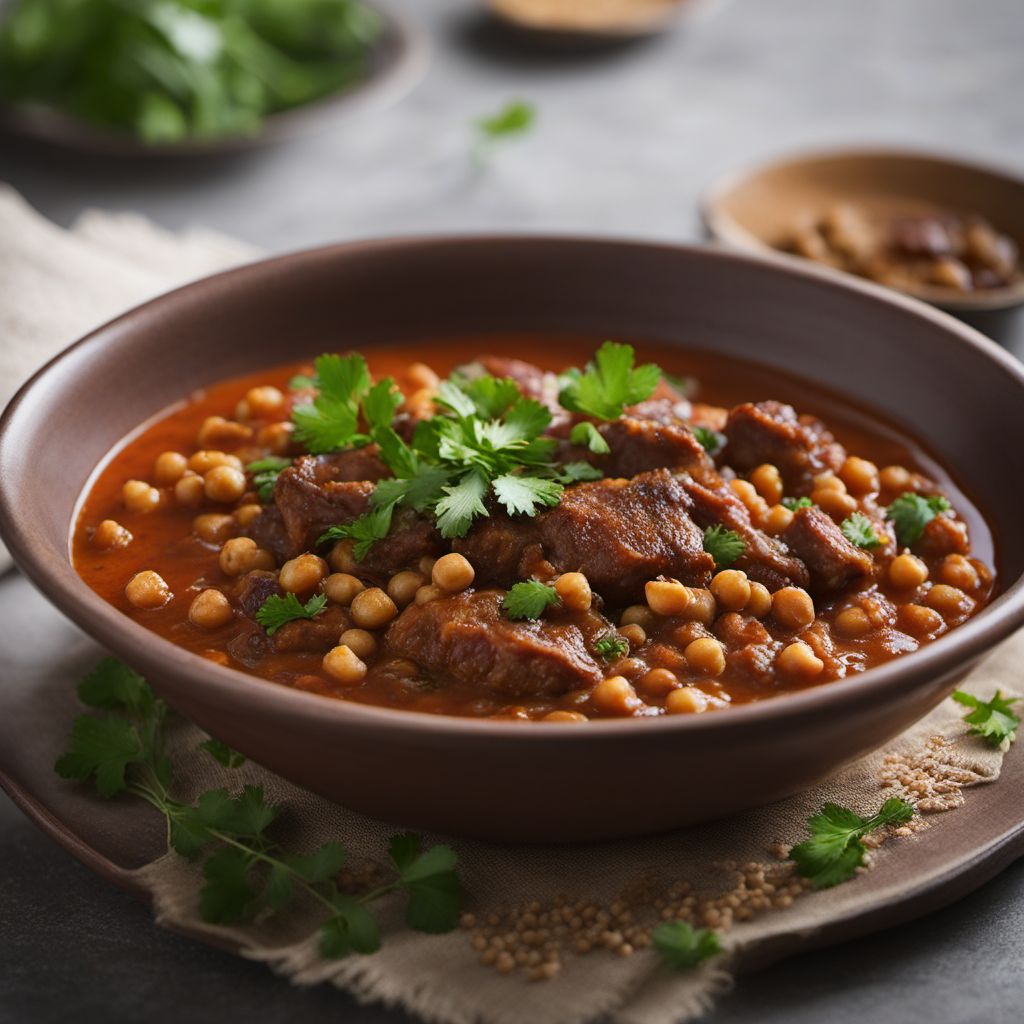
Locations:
(611, 647)
(381, 403)
(429, 879)
(354, 929)
(330, 421)
(860, 531)
(574, 472)
(461, 504)
(834, 850)
(277, 611)
(321, 865)
(515, 118)
(367, 529)
(223, 754)
(609, 384)
(794, 503)
(910, 513)
(723, 545)
(710, 440)
(101, 749)
(682, 946)
(521, 495)
(112, 685)
(528, 600)
(228, 895)
(265, 473)
(491, 396)
(993, 720)
(586, 433)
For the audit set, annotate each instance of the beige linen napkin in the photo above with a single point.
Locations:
(56, 285)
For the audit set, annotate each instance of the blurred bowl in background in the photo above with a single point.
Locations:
(760, 209)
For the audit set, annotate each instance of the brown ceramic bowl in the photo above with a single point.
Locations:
(505, 780)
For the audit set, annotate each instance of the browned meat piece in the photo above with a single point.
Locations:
(343, 467)
(466, 637)
(504, 550)
(772, 432)
(764, 559)
(412, 537)
(267, 529)
(640, 445)
(832, 560)
(944, 536)
(308, 505)
(736, 630)
(315, 636)
(253, 589)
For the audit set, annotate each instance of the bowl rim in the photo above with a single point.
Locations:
(723, 228)
(54, 575)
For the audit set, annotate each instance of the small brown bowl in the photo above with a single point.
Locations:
(398, 62)
(506, 780)
(758, 209)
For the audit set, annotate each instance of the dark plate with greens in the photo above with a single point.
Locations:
(178, 77)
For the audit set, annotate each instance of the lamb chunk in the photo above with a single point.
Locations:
(504, 550)
(944, 536)
(267, 529)
(799, 446)
(309, 505)
(639, 445)
(313, 636)
(832, 560)
(253, 589)
(465, 637)
(736, 630)
(764, 558)
(412, 537)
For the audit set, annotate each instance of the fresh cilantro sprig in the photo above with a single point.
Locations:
(611, 647)
(278, 611)
(710, 440)
(222, 753)
(681, 946)
(723, 545)
(860, 531)
(910, 513)
(265, 473)
(794, 503)
(994, 720)
(609, 383)
(528, 600)
(587, 434)
(246, 872)
(834, 850)
(517, 117)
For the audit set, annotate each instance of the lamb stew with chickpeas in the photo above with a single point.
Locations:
(571, 533)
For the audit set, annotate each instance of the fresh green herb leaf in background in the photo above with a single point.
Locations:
(910, 513)
(609, 383)
(681, 946)
(723, 545)
(515, 118)
(710, 440)
(994, 720)
(860, 531)
(528, 600)
(834, 850)
(794, 503)
(265, 473)
(278, 611)
(611, 647)
(223, 754)
(586, 434)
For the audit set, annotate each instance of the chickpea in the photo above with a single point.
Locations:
(217, 430)
(341, 588)
(428, 593)
(241, 555)
(261, 403)
(203, 461)
(687, 700)
(635, 635)
(372, 608)
(452, 573)
(747, 493)
(245, 514)
(852, 623)
(684, 635)
(564, 716)
(422, 376)
(703, 606)
(426, 566)
(948, 600)
(907, 571)
(828, 481)
(778, 518)
(148, 589)
(799, 660)
(666, 597)
(837, 504)
(859, 475)
(895, 479)
(189, 490)
(402, 587)
(760, 603)
(919, 621)
(958, 572)
(138, 496)
(344, 666)
(302, 574)
(658, 682)
(731, 589)
(214, 528)
(210, 609)
(420, 404)
(110, 535)
(638, 615)
(574, 591)
(705, 655)
(169, 468)
(359, 642)
(342, 557)
(615, 696)
(793, 608)
(768, 482)
(276, 437)
(224, 483)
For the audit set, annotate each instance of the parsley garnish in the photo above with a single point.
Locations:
(515, 118)
(860, 531)
(710, 440)
(278, 611)
(223, 754)
(910, 513)
(835, 851)
(723, 545)
(265, 473)
(794, 503)
(587, 434)
(364, 531)
(246, 872)
(993, 720)
(610, 647)
(682, 946)
(609, 383)
(528, 600)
